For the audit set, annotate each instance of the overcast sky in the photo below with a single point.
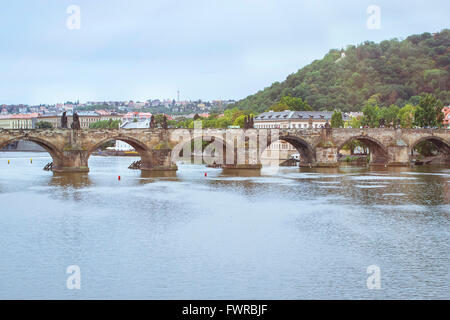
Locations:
(207, 49)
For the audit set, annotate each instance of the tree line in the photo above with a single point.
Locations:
(427, 114)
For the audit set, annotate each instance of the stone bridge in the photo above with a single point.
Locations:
(159, 149)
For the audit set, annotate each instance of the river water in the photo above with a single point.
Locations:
(281, 234)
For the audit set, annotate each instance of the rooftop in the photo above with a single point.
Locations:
(20, 116)
(136, 125)
(296, 115)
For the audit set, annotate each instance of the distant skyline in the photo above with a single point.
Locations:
(206, 49)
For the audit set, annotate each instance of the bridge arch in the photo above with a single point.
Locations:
(140, 147)
(213, 142)
(305, 149)
(442, 145)
(48, 146)
(438, 141)
(378, 152)
(136, 144)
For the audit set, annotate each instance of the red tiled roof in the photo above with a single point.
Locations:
(19, 116)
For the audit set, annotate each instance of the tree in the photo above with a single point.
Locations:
(44, 125)
(336, 120)
(355, 122)
(239, 121)
(279, 107)
(429, 112)
(291, 103)
(159, 120)
(223, 123)
(105, 124)
(406, 116)
(232, 114)
(370, 115)
(389, 115)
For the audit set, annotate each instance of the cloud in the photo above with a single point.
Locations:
(205, 48)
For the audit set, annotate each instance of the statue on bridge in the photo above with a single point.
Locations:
(76, 122)
(328, 129)
(64, 120)
(248, 122)
(152, 122)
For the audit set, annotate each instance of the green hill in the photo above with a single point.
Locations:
(397, 71)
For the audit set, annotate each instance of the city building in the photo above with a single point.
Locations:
(53, 118)
(107, 115)
(18, 121)
(293, 119)
(135, 116)
(86, 118)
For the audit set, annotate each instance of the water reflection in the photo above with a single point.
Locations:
(240, 172)
(70, 180)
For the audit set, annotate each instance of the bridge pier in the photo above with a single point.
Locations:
(71, 161)
(326, 156)
(398, 155)
(157, 160)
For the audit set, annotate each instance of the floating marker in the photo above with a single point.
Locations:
(31, 160)
(206, 174)
(118, 178)
(8, 161)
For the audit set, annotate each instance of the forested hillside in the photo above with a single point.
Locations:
(397, 72)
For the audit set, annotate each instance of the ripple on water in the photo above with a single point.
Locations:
(380, 177)
(394, 194)
(367, 186)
